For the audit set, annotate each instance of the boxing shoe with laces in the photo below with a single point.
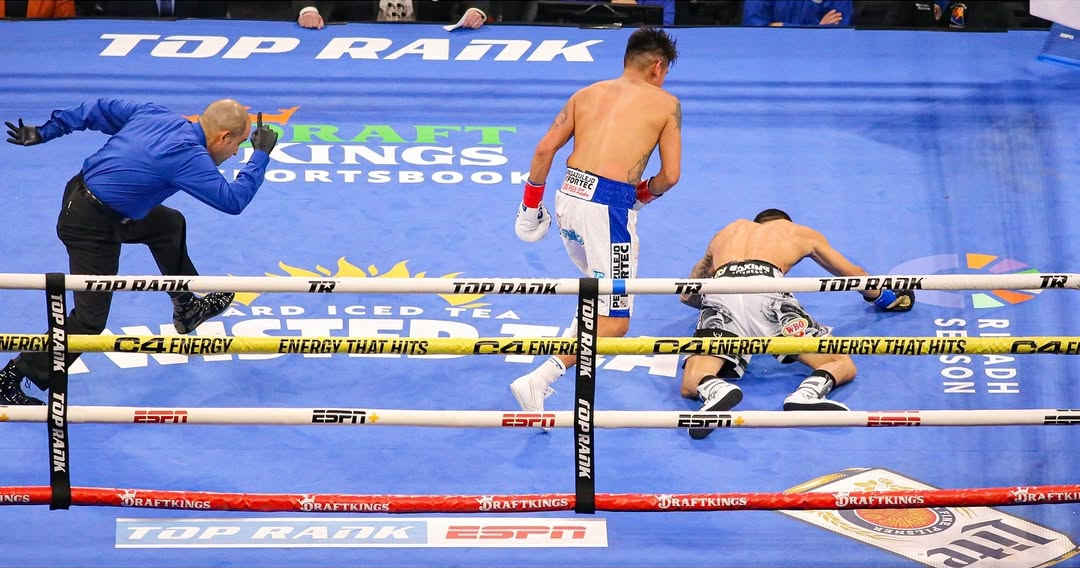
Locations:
(11, 391)
(190, 314)
(719, 395)
(530, 391)
(805, 399)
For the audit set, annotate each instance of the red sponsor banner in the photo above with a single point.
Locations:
(267, 502)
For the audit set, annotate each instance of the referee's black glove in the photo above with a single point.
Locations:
(23, 135)
(263, 138)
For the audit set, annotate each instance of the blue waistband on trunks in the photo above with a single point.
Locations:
(607, 192)
(751, 267)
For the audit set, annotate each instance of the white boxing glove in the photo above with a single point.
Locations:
(532, 224)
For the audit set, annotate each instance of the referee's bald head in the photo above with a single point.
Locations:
(226, 124)
(225, 114)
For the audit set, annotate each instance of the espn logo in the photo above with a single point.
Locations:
(160, 417)
(1062, 419)
(528, 419)
(893, 420)
(342, 416)
(704, 421)
(516, 532)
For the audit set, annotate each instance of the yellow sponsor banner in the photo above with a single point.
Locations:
(216, 345)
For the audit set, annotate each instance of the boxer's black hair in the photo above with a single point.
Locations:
(771, 215)
(651, 41)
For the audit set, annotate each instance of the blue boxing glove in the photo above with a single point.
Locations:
(894, 301)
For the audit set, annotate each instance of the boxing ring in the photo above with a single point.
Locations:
(59, 412)
(352, 406)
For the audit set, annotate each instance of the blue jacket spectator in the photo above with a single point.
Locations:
(667, 5)
(798, 12)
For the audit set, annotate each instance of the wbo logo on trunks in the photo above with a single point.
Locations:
(795, 327)
(969, 263)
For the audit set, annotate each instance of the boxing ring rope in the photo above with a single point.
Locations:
(364, 285)
(621, 502)
(58, 412)
(312, 345)
(608, 419)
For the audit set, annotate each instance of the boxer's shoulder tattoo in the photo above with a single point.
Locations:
(678, 115)
(561, 118)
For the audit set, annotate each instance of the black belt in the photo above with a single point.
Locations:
(751, 267)
(80, 186)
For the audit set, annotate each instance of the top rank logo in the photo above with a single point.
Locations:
(362, 48)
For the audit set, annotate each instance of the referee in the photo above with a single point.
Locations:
(117, 198)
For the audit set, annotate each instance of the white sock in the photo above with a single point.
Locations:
(709, 386)
(551, 370)
(820, 383)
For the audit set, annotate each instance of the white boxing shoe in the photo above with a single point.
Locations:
(804, 399)
(530, 391)
(719, 395)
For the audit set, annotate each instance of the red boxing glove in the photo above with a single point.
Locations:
(644, 196)
(534, 195)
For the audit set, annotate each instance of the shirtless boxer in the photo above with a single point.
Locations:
(616, 125)
(768, 247)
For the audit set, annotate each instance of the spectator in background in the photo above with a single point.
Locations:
(798, 13)
(281, 10)
(37, 9)
(952, 14)
(708, 13)
(901, 13)
(315, 14)
(667, 5)
(204, 9)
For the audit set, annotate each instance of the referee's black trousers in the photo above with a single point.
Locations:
(93, 233)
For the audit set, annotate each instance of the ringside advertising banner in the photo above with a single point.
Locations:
(942, 537)
(408, 532)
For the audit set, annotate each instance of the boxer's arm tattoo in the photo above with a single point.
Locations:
(561, 118)
(634, 174)
(701, 270)
(678, 115)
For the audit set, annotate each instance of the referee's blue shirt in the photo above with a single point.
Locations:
(152, 153)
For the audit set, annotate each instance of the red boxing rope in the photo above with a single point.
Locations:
(329, 503)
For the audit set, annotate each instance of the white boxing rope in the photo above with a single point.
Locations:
(296, 284)
(342, 416)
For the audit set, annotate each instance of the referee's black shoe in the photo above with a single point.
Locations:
(11, 391)
(189, 315)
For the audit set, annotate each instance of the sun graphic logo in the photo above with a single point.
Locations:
(969, 263)
(346, 269)
(901, 522)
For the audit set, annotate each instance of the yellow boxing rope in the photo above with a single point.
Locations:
(217, 345)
